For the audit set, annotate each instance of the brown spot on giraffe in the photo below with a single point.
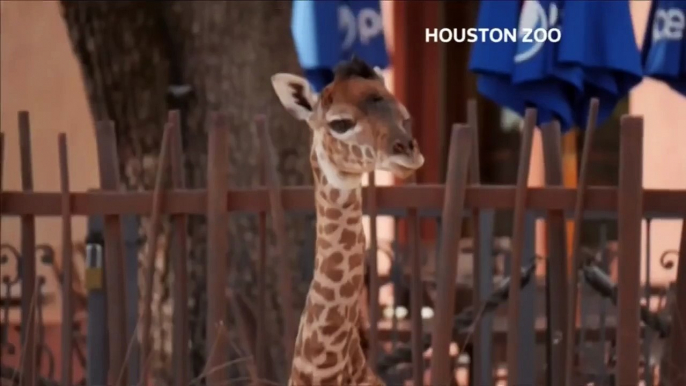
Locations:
(331, 267)
(348, 239)
(333, 214)
(330, 228)
(323, 244)
(328, 346)
(327, 293)
(334, 195)
(355, 260)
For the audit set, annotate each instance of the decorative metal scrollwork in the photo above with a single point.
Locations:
(666, 262)
(11, 275)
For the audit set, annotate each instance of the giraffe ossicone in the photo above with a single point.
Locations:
(358, 127)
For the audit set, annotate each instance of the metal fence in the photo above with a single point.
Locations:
(588, 325)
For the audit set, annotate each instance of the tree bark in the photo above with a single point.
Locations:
(137, 58)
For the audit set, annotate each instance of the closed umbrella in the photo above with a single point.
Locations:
(327, 32)
(520, 74)
(594, 55)
(663, 52)
(599, 37)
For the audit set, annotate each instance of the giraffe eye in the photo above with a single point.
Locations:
(375, 98)
(340, 126)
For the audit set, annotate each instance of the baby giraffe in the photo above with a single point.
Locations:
(357, 127)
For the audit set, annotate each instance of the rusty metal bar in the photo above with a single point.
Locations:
(374, 312)
(416, 288)
(108, 162)
(518, 246)
(556, 275)
(279, 224)
(67, 265)
(28, 261)
(217, 250)
(480, 360)
(261, 333)
(451, 231)
(2, 168)
(178, 255)
(149, 267)
(676, 373)
(629, 253)
(581, 202)
(663, 203)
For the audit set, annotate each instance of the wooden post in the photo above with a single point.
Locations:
(575, 258)
(67, 267)
(149, 269)
(279, 224)
(676, 374)
(2, 167)
(451, 231)
(556, 275)
(480, 372)
(518, 247)
(217, 251)
(630, 215)
(178, 256)
(416, 288)
(28, 261)
(108, 162)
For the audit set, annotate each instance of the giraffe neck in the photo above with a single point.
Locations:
(328, 346)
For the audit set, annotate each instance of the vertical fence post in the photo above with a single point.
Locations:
(28, 261)
(2, 168)
(149, 269)
(526, 373)
(480, 372)
(451, 232)
(279, 224)
(97, 308)
(217, 250)
(416, 288)
(676, 374)
(572, 291)
(108, 162)
(178, 255)
(630, 215)
(556, 272)
(130, 227)
(517, 248)
(261, 335)
(67, 293)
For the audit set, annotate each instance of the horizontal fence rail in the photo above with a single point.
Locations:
(589, 311)
(389, 199)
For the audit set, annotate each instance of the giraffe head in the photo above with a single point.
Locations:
(358, 126)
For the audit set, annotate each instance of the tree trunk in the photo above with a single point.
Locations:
(134, 57)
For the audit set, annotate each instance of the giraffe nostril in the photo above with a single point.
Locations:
(399, 148)
(410, 145)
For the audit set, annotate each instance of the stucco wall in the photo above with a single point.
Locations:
(664, 165)
(40, 74)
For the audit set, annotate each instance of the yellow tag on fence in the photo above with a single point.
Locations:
(93, 279)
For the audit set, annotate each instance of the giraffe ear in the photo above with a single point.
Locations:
(378, 72)
(295, 94)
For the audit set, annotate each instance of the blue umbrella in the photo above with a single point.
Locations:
(599, 37)
(663, 52)
(328, 32)
(595, 56)
(524, 74)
